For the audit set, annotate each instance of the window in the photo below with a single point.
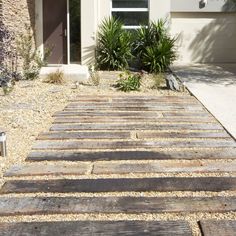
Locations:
(132, 12)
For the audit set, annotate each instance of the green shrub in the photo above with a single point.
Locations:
(114, 45)
(129, 82)
(154, 47)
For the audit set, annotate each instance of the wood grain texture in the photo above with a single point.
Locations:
(165, 184)
(130, 205)
(158, 105)
(96, 228)
(119, 145)
(185, 114)
(225, 153)
(164, 167)
(106, 114)
(185, 135)
(218, 227)
(97, 119)
(134, 126)
(137, 108)
(83, 135)
(40, 169)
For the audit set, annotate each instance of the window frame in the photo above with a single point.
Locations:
(131, 9)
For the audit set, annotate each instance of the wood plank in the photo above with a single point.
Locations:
(97, 228)
(107, 114)
(185, 135)
(131, 96)
(92, 100)
(79, 145)
(138, 108)
(130, 100)
(39, 169)
(135, 126)
(98, 119)
(164, 167)
(83, 135)
(165, 184)
(15, 206)
(225, 153)
(133, 105)
(185, 114)
(218, 227)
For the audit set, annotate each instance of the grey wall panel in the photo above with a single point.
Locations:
(198, 6)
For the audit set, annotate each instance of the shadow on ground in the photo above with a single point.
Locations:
(224, 74)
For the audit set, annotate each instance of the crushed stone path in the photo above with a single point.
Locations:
(125, 165)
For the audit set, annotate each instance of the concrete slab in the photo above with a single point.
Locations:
(215, 87)
(75, 73)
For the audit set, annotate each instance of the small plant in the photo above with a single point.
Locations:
(94, 76)
(33, 60)
(129, 82)
(114, 46)
(56, 77)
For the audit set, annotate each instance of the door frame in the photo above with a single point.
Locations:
(39, 28)
(68, 31)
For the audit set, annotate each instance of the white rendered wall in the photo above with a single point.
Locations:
(89, 15)
(39, 24)
(205, 37)
(159, 9)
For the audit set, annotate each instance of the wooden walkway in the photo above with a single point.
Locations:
(123, 159)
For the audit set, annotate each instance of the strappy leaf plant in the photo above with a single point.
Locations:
(113, 50)
(154, 47)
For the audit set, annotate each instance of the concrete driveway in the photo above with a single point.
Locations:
(215, 87)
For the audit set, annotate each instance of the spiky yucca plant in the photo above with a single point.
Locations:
(113, 49)
(154, 47)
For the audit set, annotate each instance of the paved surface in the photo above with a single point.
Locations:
(125, 165)
(215, 87)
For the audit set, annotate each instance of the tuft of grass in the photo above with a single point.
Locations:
(158, 80)
(56, 77)
(94, 76)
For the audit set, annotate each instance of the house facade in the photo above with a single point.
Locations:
(206, 29)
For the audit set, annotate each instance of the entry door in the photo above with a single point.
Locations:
(55, 30)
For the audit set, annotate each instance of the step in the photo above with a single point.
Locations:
(137, 108)
(119, 145)
(164, 167)
(224, 153)
(97, 119)
(165, 184)
(40, 169)
(134, 126)
(136, 114)
(57, 169)
(83, 135)
(218, 227)
(19, 206)
(97, 228)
